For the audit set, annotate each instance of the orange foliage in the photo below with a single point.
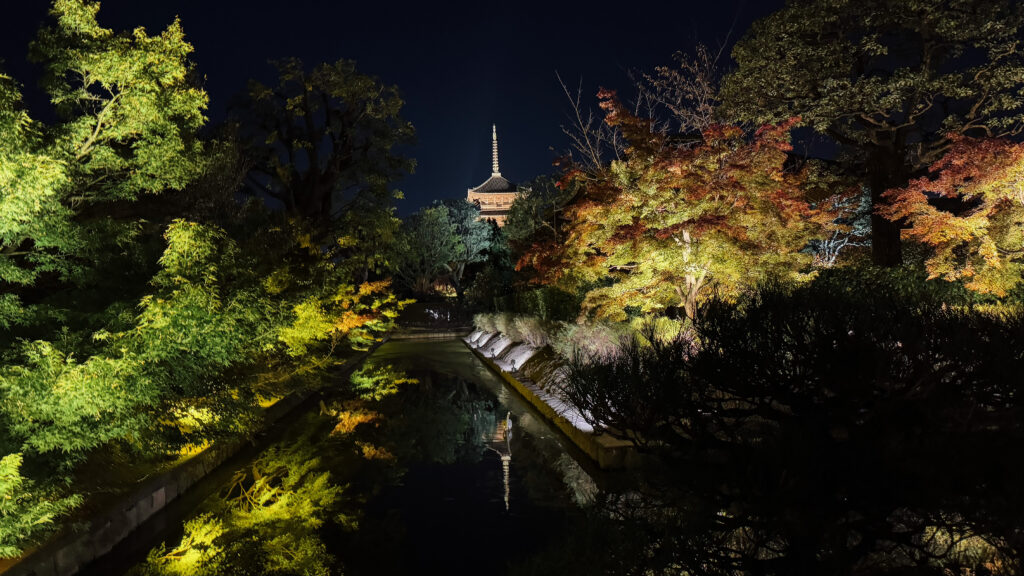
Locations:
(350, 419)
(372, 452)
(669, 224)
(970, 213)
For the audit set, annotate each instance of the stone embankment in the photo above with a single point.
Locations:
(508, 358)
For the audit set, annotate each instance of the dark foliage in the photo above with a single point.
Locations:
(825, 431)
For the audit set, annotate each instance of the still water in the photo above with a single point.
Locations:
(488, 482)
(472, 481)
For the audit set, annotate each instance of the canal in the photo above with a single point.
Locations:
(453, 473)
(487, 483)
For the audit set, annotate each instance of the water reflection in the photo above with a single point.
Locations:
(458, 388)
(414, 478)
(451, 508)
(501, 444)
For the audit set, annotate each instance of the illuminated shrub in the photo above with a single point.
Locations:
(660, 328)
(505, 323)
(598, 341)
(532, 331)
(485, 322)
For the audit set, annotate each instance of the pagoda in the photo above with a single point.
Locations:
(496, 194)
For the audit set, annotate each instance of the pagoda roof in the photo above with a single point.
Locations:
(496, 183)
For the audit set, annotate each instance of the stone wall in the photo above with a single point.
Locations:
(68, 554)
(608, 452)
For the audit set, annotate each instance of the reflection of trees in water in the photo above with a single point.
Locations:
(582, 488)
(444, 419)
(441, 420)
(266, 520)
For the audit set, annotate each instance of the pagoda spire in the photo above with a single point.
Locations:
(494, 147)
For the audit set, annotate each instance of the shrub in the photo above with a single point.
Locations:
(504, 322)
(532, 330)
(485, 322)
(548, 303)
(597, 341)
(828, 393)
(659, 328)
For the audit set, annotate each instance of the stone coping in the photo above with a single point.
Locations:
(607, 451)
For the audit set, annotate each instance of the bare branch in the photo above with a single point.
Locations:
(591, 140)
(687, 93)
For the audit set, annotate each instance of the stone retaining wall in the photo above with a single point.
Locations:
(412, 334)
(608, 452)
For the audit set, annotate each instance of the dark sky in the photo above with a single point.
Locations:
(460, 67)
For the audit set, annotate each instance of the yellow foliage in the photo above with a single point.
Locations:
(278, 281)
(371, 452)
(349, 420)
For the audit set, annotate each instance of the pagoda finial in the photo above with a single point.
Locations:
(494, 145)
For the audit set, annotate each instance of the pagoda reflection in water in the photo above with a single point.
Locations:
(500, 442)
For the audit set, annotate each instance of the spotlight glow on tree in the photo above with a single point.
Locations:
(980, 238)
(668, 225)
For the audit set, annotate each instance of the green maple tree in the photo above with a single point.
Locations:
(128, 102)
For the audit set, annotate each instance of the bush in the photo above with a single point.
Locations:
(814, 406)
(532, 331)
(548, 303)
(601, 341)
(660, 328)
(504, 322)
(485, 322)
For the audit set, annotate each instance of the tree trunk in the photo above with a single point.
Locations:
(885, 169)
(460, 268)
(459, 290)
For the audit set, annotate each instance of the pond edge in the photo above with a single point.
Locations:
(608, 452)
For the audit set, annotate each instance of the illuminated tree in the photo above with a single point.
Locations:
(36, 232)
(889, 81)
(128, 102)
(970, 213)
(126, 327)
(367, 232)
(321, 138)
(848, 202)
(668, 225)
(535, 212)
(474, 238)
(25, 509)
(438, 242)
(687, 93)
(425, 247)
(128, 112)
(127, 117)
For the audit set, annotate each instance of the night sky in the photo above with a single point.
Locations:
(459, 67)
